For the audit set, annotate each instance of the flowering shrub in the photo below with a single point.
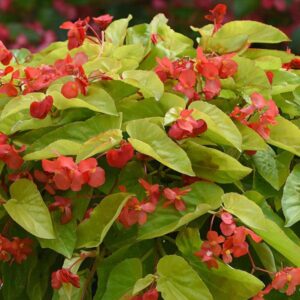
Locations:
(136, 165)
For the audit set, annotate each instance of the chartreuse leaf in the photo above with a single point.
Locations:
(246, 210)
(99, 143)
(285, 135)
(91, 232)
(254, 53)
(150, 139)
(97, 99)
(257, 32)
(202, 198)
(251, 214)
(223, 283)
(250, 78)
(273, 168)
(27, 208)
(290, 201)
(251, 140)
(223, 125)
(179, 281)
(68, 139)
(122, 279)
(213, 164)
(65, 240)
(148, 82)
(116, 31)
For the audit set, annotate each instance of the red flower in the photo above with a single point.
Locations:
(10, 156)
(5, 55)
(135, 212)
(66, 173)
(173, 196)
(151, 294)
(65, 206)
(4, 248)
(165, 68)
(228, 68)
(186, 126)
(20, 248)
(9, 88)
(207, 256)
(227, 225)
(70, 89)
(103, 21)
(261, 294)
(217, 15)
(152, 190)
(186, 84)
(288, 277)
(93, 175)
(76, 33)
(64, 276)
(118, 158)
(211, 88)
(40, 109)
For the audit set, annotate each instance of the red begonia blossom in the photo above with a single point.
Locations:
(103, 21)
(65, 206)
(186, 126)
(76, 33)
(151, 294)
(118, 158)
(92, 174)
(217, 15)
(186, 84)
(9, 154)
(227, 225)
(267, 111)
(174, 197)
(70, 89)
(40, 109)
(152, 190)
(5, 55)
(64, 276)
(135, 212)
(20, 249)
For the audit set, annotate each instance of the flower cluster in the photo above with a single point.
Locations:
(208, 70)
(258, 116)
(77, 31)
(231, 244)
(9, 154)
(64, 174)
(186, 126)
(135, 211)
(15, 250)
(288, 278)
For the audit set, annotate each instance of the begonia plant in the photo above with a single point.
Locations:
(137, 164)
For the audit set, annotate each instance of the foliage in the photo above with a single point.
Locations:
(135, 165)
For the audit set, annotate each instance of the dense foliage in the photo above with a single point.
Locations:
(135, 165)
(34, 24)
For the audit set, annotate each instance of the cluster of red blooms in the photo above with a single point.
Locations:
(15, 250)
(186, 126)
(151, 294)
(258, 116)
(64, 276)
(64, 174)
(288, 279)
(135, 211)
(77, 31)
(186, 71)
(9, 154)
(231, 244)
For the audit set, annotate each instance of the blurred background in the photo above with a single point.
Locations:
(33, 24)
